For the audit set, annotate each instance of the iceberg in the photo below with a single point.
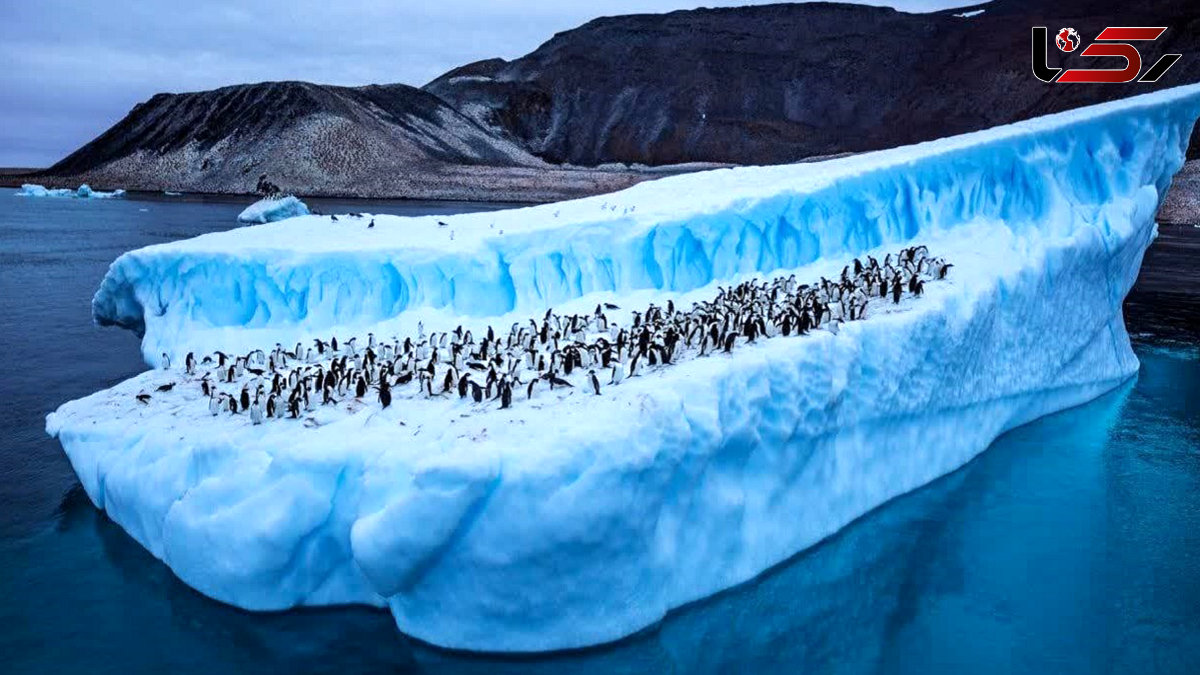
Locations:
(83, 192)
(579, 520)
(272, 209)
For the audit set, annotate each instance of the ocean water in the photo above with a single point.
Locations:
(1070, 546)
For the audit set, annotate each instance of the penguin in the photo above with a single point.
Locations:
(529, 389)
(385, 393)
(245, 398)
(270, 406)
(214, 405)
(190, 364)
(595, 382)
(143, 398)
(166, 387)
(360, 389)
(618, 373)
(372, 224)
(166, 361)
(256, 413)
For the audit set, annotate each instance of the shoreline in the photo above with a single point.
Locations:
(1181, 206)
(465, 183)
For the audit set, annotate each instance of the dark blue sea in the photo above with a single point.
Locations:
(1071, 546)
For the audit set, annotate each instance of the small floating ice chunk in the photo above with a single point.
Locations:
(83, 192)
(270, 210)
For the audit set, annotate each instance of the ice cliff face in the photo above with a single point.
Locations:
(576, 524)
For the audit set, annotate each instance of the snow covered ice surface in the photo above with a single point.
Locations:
(587, 518)
(83, 192)
(273, 209)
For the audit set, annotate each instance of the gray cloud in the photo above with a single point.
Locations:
(69, 70)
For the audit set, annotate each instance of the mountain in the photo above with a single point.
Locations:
(594, 108)
(375, 141)
(775, 83)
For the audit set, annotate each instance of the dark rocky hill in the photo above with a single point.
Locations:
(776, 83)
(391, 140)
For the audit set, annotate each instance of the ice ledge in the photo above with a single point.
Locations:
(312, 275)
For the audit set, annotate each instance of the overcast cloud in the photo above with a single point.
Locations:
(69, 69)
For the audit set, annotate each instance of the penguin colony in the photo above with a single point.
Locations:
(575, 353)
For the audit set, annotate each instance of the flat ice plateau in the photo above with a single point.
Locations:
(83, 192)
(585, 519)
(270, 210)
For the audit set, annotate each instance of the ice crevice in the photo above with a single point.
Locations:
(572, 522)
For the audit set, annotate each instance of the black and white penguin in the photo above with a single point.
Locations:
(618, 373)
(595, 382)
(190, 364)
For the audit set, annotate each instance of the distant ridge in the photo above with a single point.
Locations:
(680, 91)
(375, 141)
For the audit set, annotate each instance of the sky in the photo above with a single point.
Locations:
(69, 69)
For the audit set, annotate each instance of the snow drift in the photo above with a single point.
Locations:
(272, 209)
(83, 192)
(583, 522)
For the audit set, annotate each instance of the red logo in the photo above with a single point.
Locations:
(1111, 42)
(1067, 40)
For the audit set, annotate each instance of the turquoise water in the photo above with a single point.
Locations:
(1070, 546)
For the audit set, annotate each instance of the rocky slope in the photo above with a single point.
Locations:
(774, 83)
(751, 85)
(375, 141)
(1182, 205)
